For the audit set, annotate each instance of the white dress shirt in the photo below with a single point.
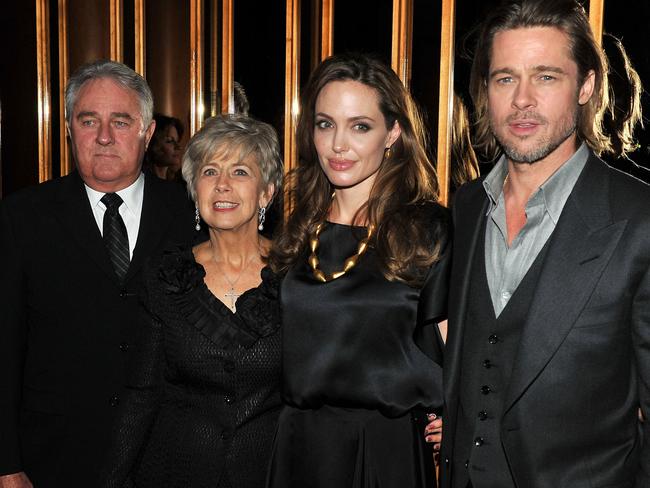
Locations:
(130, 210)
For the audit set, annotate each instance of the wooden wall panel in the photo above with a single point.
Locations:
(446, 97)
(89, 35)
(167, 27)
(596, 15)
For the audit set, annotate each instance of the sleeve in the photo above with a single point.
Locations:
(141, 403)
(13, 330)
(432, 307)
(641, 342)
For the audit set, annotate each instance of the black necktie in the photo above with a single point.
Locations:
(115, 237)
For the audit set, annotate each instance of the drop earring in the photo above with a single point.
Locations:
(261, 218)
(197, 218)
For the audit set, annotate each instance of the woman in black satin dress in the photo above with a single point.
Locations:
(366, 256)
(201, 407)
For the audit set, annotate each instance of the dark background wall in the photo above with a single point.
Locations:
(362, 25)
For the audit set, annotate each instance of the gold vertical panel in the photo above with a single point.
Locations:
(214, 59)
(117, 47)
(63, 77)
(327, 29)
(43, 90)
(140, 37)
(596, 10)
(402, 41)
(446, 97)
(196, 66)
(227, 59)
(291, 84)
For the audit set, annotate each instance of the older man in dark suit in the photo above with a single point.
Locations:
(71, 255)
(548, 354)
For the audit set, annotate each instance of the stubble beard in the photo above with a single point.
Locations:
(546, 145)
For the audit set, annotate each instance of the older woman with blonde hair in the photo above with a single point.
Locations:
(202, 405)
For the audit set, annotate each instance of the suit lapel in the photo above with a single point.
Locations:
(580, 248)
(468, 220)
(76, 216)
(157, 213)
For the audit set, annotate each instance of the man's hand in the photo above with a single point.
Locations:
(15, 480)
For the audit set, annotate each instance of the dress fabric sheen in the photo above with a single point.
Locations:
(202, 405)
(361, 367)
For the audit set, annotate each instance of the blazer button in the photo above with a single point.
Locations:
(123, 294)
(229, 400)
(487, 364)
(493, 339)
(478, 441)
(482, 415)
(447, 461)
(124, 346)
(467, 464)
(114, 401)
(485, 389)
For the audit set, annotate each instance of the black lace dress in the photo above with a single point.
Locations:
(203, 402)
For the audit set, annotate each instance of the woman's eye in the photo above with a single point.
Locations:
(209, 172)
(361, 127)
(323, 124)
(241, 172)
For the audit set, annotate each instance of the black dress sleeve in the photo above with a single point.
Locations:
(432, 307)
(141, 403)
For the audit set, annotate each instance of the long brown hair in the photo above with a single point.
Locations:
(405, 181)
(624, 112)
(567, 16)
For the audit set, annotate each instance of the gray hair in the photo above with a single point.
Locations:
(234, 132)
(120, 74)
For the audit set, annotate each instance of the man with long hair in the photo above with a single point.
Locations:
(548, 353)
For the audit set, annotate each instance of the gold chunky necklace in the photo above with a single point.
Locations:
(348, 264)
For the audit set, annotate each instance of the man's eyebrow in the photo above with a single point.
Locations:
(122, 115)
(537, 69)
(86, 113)
(501, 71)
(118, 115)
(552, 69)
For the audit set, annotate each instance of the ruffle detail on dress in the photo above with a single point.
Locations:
(258, 309)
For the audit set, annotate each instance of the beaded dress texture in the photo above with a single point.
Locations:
(202, 405)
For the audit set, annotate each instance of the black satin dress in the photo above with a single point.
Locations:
(361, 367)
(201, 407)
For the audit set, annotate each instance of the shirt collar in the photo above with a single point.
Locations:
(132, 196)
(553, 193)
(556, 190)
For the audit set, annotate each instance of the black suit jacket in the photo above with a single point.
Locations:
(582, 369)
(68, 326)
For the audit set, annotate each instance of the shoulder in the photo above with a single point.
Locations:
(174, 271)
(625, 192)
(467, 193)
(171, 190)
(41, 193)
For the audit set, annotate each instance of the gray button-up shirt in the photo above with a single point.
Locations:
(506, 266)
